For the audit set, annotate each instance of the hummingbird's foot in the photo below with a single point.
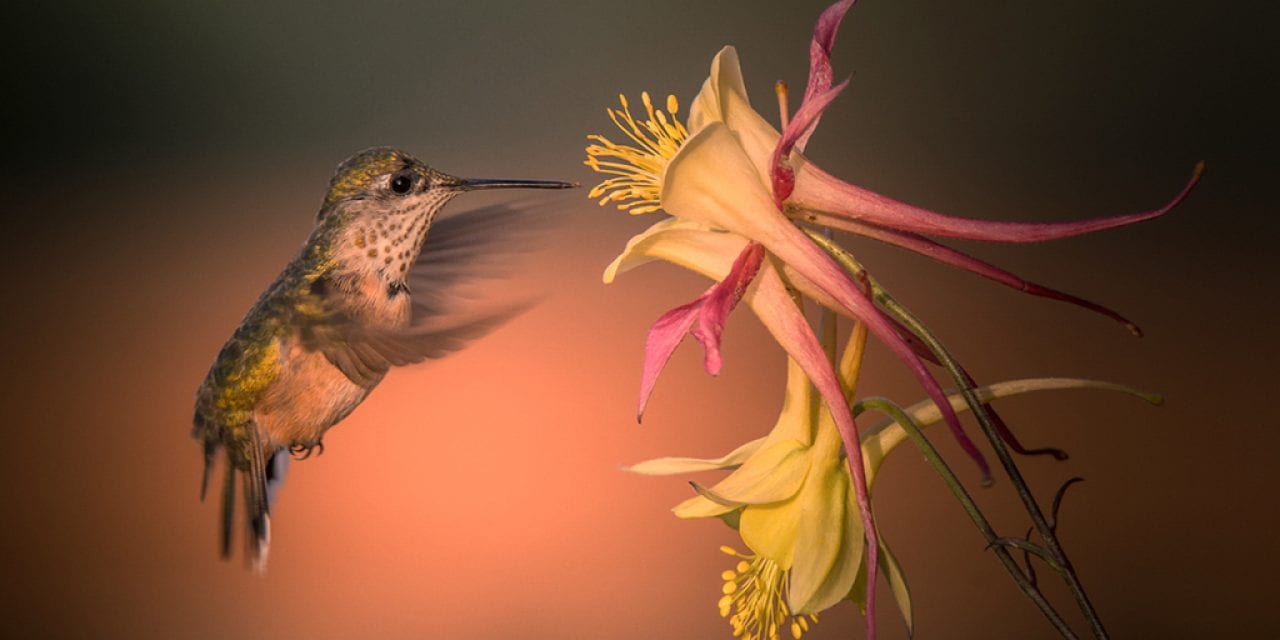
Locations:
(302, 451)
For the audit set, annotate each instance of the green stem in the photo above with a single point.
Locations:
(1030, 548)
(1038, 520)
(949, 478)
(1065, 569)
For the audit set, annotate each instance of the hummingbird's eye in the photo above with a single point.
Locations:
(402, 182)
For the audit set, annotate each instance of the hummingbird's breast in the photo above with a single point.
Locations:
(357, 269)
(309, 396)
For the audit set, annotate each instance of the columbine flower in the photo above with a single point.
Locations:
(730, 171)
(717, 175)
(791, 500)
(789, 497)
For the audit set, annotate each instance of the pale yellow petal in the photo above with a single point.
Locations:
(724, 99)
(774, 473)
(713, 181)
(795, 422)
(726, 77)
(674, 466)
(682, 242)
(770, 530)
(829, 542)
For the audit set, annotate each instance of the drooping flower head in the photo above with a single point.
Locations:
(789, 495)
(791, 498)
(737, 187)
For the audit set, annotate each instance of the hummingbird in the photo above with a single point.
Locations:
(339, 316)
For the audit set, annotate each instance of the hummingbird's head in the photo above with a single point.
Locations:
(383, 178)
(387, 179)
(383, 200)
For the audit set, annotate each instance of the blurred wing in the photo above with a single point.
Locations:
(461, 250)
(474, 245)
(365, 355)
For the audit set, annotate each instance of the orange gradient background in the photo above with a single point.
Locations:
(168, 161)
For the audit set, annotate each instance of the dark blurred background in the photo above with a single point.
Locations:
(164, 160)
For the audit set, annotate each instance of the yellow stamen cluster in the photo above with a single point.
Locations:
(637, 185)
(755, 593)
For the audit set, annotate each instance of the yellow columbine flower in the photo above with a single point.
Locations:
(718, 175)
(716, 182)
(789, 495)
(732, 175)
(643, 175)
(791, 499)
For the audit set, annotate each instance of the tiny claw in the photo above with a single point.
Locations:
(301, 451)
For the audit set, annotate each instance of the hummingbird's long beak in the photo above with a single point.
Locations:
(477, 184)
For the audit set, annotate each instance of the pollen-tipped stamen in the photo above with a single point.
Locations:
(638, 168)
(755, 599)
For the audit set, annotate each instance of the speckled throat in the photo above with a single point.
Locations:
(385, 238)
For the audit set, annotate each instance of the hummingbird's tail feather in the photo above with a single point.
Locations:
(209, 441)
(210, 450)
(256, 504)
(228, 504)
(262, 482)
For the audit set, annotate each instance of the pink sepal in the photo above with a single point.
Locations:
(704, 317)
